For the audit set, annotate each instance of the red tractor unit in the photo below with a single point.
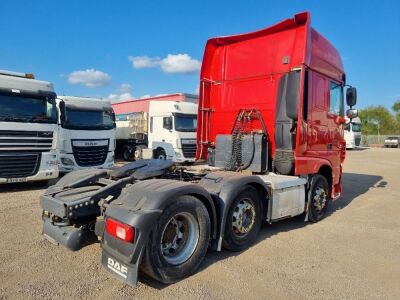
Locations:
(278, 90)
(270, 126)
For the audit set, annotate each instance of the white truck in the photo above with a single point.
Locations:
(161, 129)
(352, 132)
(86, 134)
(28, 128)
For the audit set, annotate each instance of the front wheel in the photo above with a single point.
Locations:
(244, 219)
(178, 242)
(318, 198)
(160, 154)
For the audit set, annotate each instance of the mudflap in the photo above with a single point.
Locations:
(128, 273)
(69, 236)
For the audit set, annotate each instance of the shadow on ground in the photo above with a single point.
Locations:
(354, 185)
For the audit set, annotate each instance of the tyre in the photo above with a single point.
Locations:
(243, 221)
(160, 154)
(178, 242)
(127, 154)
(318, 198)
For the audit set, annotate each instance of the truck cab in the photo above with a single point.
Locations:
(172, 130)
(28, 128)
(352, 132)
(86, 133)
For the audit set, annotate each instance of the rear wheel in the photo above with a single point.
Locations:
(127, 153)
(318, 198)
(243, 221)
(178, 242)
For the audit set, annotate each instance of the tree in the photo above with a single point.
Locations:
(378, 117)
(396, 109)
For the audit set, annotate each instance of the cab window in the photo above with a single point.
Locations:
(336, 99)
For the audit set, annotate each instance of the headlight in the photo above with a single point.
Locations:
(67, 161)
(178, 154)
(111, 159)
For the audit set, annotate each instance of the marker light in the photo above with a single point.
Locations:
(120, 230)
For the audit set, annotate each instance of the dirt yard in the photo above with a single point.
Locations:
(353, 253)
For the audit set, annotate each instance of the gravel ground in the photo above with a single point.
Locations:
(353, 253)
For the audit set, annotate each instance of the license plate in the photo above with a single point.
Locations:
(13, 180)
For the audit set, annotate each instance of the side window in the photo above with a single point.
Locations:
(319, 92)
(336, 99)
(167, 123)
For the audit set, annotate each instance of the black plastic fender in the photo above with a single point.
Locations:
(224, 188)
(140, 205)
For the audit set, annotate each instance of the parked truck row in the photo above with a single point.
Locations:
(270, 135)
(42, 134)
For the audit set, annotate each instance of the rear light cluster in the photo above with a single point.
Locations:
(120, 230)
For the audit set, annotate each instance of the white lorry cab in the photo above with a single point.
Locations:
(352, 132)
(163, 130)
(86, 134)
(28, 128)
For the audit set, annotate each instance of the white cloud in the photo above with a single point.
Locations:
(114, 98)
(173, 63)
(140, 62)
(90, 78)
(125, 88)
(145, 96)
(180, 63)
(197, 90)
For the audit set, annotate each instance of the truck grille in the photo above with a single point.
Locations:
(357, 141)
(189, 150)
(90, 156)
(19, 164)
(37, 141)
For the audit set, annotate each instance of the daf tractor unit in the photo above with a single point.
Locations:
(270, 127)
(86, 134)
(352, 132)
(28, 128)
(154, 128)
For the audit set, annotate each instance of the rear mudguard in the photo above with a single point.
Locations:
(224, 188)
(140, 205)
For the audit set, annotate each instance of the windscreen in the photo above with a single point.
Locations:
(356, 127)
(17, 108)
(187, 123)
(88, 120)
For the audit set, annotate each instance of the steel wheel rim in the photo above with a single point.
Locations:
(180, 237)
(319, 199)
(243, 217)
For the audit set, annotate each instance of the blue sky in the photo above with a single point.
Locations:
(131, 48)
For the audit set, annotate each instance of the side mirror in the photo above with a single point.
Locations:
(351, 96)
(62, 112)
(352, 113)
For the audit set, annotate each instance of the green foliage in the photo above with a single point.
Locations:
(376, 118)
(396, 109)
(396, 106)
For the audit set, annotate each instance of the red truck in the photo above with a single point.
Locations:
(270, 122)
